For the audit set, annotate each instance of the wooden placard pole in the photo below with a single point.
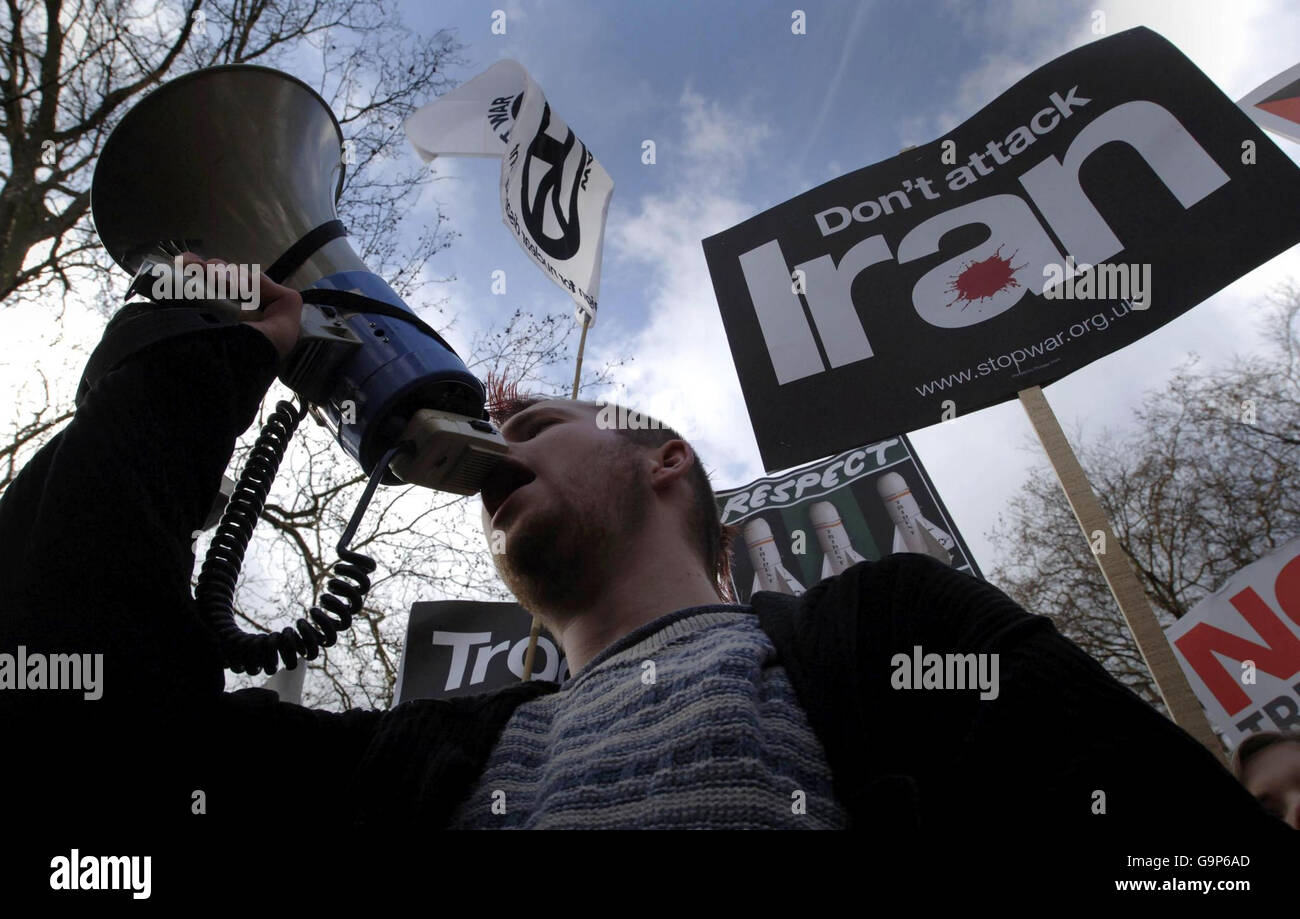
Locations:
(1174, 689)
(536, 629)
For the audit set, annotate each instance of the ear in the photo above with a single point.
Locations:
(672, 460)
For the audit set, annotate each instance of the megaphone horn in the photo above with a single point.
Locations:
(246, 163)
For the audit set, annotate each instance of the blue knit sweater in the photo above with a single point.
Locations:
(685, 723)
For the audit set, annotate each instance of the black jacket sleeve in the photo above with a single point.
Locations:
(1064, 751)
(97, 533)
(99, 525)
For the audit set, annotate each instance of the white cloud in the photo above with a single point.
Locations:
(1040, 32)
(1238, 44)
(717, 142)
(682, 371)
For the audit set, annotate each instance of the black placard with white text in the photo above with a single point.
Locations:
(916, 289)
(467, 647)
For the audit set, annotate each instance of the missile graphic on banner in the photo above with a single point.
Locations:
(837, 552)
(912, 532)
(769, 573)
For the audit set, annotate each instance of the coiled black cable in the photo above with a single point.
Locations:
(247, 652)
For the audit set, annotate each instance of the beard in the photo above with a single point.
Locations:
(560, 555)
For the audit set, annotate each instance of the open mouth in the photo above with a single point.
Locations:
(503, 481)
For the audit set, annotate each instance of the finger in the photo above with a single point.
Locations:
(271, 292)
(276, 299)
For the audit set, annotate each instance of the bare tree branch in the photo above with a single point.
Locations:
(1206, 482)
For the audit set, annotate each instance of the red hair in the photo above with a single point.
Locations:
(504, 398)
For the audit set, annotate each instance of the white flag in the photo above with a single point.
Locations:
(554, 194)
(474, 119)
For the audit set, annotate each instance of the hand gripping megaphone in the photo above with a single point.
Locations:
(246, 163)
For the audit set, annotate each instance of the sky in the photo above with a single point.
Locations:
(744, 115)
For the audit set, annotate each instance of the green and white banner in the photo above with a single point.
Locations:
(809, 523)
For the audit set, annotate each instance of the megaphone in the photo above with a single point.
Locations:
(246, 163)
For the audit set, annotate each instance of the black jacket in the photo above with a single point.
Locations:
(97, 556)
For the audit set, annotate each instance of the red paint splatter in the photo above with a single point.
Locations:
(981, 280)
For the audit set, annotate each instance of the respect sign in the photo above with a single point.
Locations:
(814, 522)
(1097, 199)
